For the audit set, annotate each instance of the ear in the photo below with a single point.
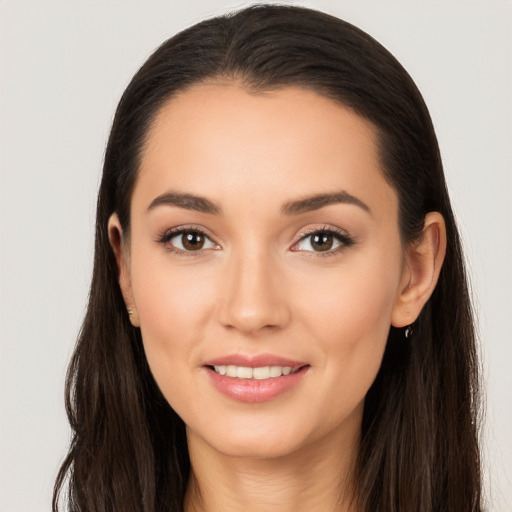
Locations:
(121, 252)
(423, 262)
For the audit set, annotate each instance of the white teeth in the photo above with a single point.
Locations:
(243, 372)
(276, 371)
(260, 373)
(230, 370)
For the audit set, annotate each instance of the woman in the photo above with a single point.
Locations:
(279, 316)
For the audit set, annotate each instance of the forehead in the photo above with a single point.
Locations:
(220, 139)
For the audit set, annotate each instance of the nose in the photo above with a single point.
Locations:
(254, 296)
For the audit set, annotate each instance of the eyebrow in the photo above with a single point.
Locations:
(307, 204)
(186, 201)
(317, 201)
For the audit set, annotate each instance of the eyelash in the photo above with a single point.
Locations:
(340, 235)
(168, 235)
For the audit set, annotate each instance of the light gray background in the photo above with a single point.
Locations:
(63, 67)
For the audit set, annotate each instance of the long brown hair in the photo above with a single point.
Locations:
(419, 449)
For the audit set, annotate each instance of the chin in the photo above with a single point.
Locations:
(257, 448)
(263, 437)
(259, 440)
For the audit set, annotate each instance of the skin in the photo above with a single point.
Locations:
(260, 287)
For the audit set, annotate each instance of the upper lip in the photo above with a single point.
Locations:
(253, 361)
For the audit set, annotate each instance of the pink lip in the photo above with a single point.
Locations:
(252, 390)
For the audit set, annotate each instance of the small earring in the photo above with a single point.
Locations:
(408, 331)
(134, 318)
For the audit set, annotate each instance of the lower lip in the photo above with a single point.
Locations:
(253, 390)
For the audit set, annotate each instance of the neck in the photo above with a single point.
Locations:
(317, 477)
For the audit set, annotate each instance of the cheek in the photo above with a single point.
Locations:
(352, 304)
(350, 321)
(174, 306)
(170, 298)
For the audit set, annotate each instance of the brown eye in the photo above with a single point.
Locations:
(188, 241)
(192, 241)
(322, 241)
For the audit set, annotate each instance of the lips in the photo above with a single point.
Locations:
(254, 378)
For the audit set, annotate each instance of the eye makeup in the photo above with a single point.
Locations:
(187, 241)
(325, 241)
(191, 240)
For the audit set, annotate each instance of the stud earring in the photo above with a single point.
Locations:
(408, 331)
(134, 317)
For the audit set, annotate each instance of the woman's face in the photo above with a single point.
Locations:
(263, 235)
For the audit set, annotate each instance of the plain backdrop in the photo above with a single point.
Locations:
(63, 68)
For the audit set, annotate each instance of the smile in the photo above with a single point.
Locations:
(259, 373)
(255, 378)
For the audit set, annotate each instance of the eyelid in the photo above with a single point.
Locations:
(341, 235)
(168, 234)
